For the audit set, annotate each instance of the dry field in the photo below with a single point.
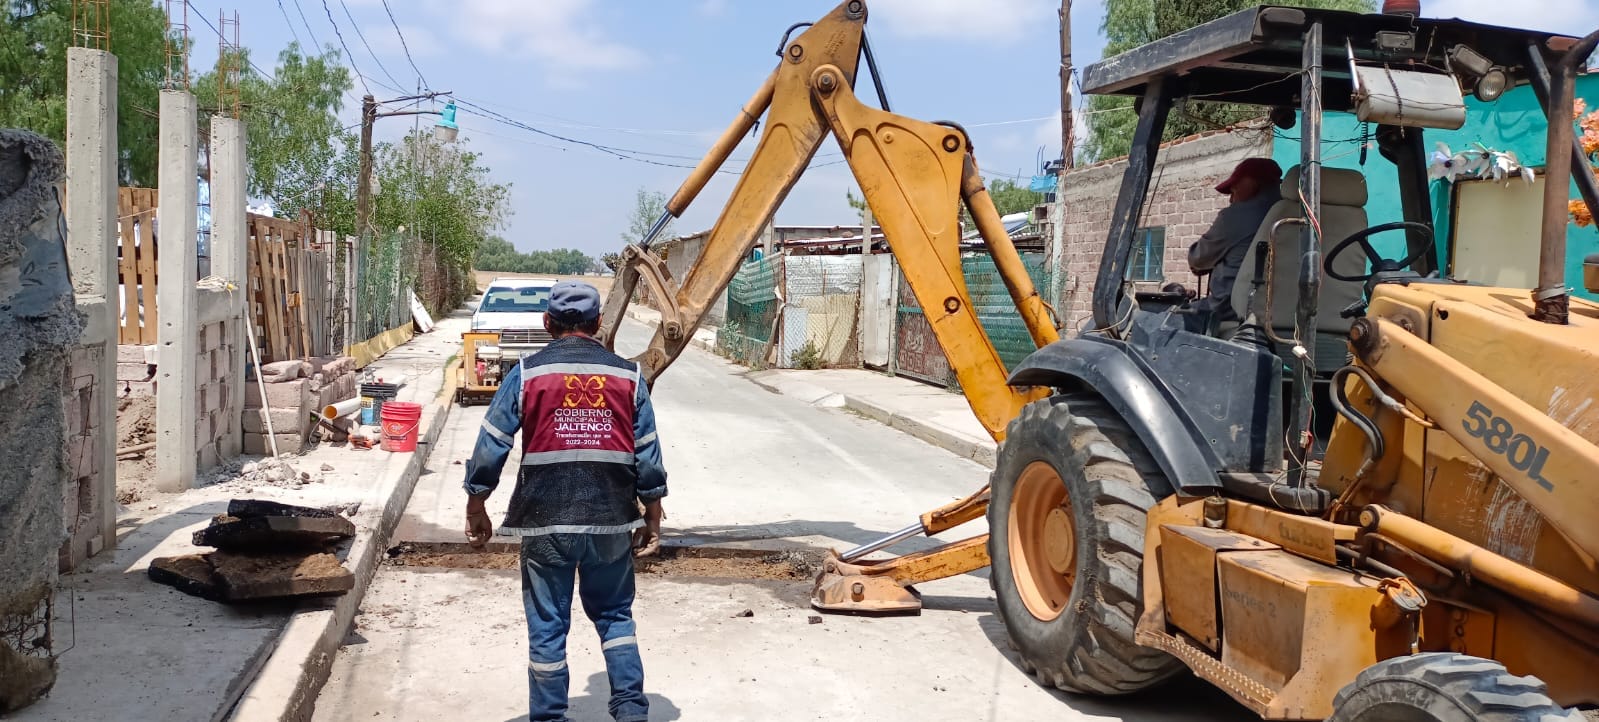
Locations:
(603, 283)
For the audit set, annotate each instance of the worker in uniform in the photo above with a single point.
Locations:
(588, 496)
(1252, 189)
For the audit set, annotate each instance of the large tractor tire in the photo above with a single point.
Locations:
(1445, 687)
(1072, 486)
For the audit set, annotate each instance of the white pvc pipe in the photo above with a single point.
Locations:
(341, 409)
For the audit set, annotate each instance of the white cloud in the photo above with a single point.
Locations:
(562, 35)
(711, 8)
(1571, 17)
(988, 20)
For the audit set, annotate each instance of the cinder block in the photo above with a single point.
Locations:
(282, 420)
(284, 395)
(133, 371)
(339, 389)
(130, 353)
(256, 444)
(332, 366)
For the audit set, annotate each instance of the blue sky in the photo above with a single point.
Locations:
(665, 76)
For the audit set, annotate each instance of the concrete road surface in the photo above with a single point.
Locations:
(749, 468)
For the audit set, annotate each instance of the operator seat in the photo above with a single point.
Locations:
(1343, 213)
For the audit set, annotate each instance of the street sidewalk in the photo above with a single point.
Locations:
(929, 413)
(135, 649)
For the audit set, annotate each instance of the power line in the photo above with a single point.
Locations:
(288, 22)
(219, 34)
(613, 151)
(362, 36)
(620, 153)
(404, 45)
(308, 31)
(344, 45)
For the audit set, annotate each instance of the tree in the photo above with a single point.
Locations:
(1131, 23)
(34, 36)
(648, 207)
(1008, 196)
(442, 193)
(855, 202)
(292, 120)
(497, 254)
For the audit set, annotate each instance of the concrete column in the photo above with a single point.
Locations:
(230, 254)
(178, 336)
(92, 250)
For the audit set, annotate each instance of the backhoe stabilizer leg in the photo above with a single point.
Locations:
(884, 587)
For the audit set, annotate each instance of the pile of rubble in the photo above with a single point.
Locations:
(265, 550)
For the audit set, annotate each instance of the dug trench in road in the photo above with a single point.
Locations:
(749, 470)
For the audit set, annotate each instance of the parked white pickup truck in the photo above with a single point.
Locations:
(514, 308)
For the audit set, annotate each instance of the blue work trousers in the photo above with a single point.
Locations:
(602, 565)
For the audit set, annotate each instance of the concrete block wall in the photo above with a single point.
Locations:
(218, 435)
(82, 495)
(133, 371)
(1182, 199)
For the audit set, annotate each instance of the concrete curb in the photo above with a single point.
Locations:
(979, 450)
(292, 677)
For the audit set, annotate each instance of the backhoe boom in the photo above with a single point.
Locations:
(915, 175)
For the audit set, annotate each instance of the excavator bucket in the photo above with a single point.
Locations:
(845, 588)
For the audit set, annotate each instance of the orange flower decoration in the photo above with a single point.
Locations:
(1580, 213)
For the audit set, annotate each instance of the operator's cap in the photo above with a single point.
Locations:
(1264, 170)
(574, 302)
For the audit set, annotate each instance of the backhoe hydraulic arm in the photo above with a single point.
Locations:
(915, 175)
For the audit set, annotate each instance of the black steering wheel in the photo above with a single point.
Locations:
(1378, 263)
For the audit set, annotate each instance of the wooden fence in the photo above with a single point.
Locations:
(289, 293)
(290, 289)
(136, 264)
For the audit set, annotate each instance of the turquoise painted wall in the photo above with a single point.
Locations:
(1512, 123)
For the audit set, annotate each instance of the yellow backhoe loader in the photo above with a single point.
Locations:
(1373, 498)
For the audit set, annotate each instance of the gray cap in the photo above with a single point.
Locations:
(574, 302)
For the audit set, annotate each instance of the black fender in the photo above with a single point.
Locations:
(1109, 369)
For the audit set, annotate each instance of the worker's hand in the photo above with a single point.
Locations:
(647, 538)
(478, 527)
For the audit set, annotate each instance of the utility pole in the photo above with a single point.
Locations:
(1068, 137)
(369, 115)
(363, 182)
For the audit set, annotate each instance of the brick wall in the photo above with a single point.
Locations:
(80, 495)
(1182, 200)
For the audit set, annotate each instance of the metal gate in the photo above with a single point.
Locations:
(916, 350)
(917, 353)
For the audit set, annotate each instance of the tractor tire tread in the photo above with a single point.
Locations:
(1115, 486)
(1464, 688)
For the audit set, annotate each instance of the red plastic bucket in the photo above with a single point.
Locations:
(399, 421)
